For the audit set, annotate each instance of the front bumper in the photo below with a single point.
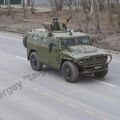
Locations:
(96, 67)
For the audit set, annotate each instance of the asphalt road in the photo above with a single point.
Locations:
(27, 95)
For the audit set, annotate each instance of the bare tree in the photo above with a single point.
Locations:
(109, 4)
(77, 14)
(102, 5)
(52, 5)
(24, 10)
(118, 12)
(9, 8)
(69, 3)
(32, 7)
(91, 9)
(97, 13)
(87, 9)
(56, 6)
(28, 2)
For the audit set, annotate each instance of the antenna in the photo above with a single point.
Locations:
(70, 32)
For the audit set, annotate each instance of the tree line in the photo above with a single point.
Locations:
(90, 8)
(25, 4)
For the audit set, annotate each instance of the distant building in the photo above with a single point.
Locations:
(3, 2)
(41, 1)
(38, 1)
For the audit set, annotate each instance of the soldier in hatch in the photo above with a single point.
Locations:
(56, 25)
(65, 22)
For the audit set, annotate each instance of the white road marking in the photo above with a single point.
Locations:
(36, 90)
(10, 37)
(9, 78)
(21, 58)
(103, 118)
(89, 112)
(59, 99)
(15, 80)
(46, 94)
(73, 105)
(25, 85)
(108, 84)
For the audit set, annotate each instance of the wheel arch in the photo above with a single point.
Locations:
(64, 60)
(32, 50)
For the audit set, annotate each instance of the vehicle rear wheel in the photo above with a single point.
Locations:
(34, 61)
(70, 72)
(101, 74)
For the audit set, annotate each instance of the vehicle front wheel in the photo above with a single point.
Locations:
(34, 61)
(101, 74)
(70, 71)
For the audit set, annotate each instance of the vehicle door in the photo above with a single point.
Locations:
(43, 50)
(54, 53)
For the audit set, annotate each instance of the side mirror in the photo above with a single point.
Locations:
(92, 40)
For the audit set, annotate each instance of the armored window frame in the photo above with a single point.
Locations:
(35, 37)
(44, 41)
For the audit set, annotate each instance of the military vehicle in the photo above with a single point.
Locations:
(67, 51)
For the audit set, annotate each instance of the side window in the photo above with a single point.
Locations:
(44, 42)
(35, 37)
(40, 38)
(55, 44)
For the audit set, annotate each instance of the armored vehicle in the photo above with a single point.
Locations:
(67, 51)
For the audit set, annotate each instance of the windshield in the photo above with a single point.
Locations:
(75, 41)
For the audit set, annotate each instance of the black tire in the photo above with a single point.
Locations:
(101, 74)
(34, 61)
(25, 41)
(70, 72)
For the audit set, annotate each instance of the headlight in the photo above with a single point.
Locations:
(81, 62)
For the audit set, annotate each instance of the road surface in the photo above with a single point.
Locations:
(27, 95)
